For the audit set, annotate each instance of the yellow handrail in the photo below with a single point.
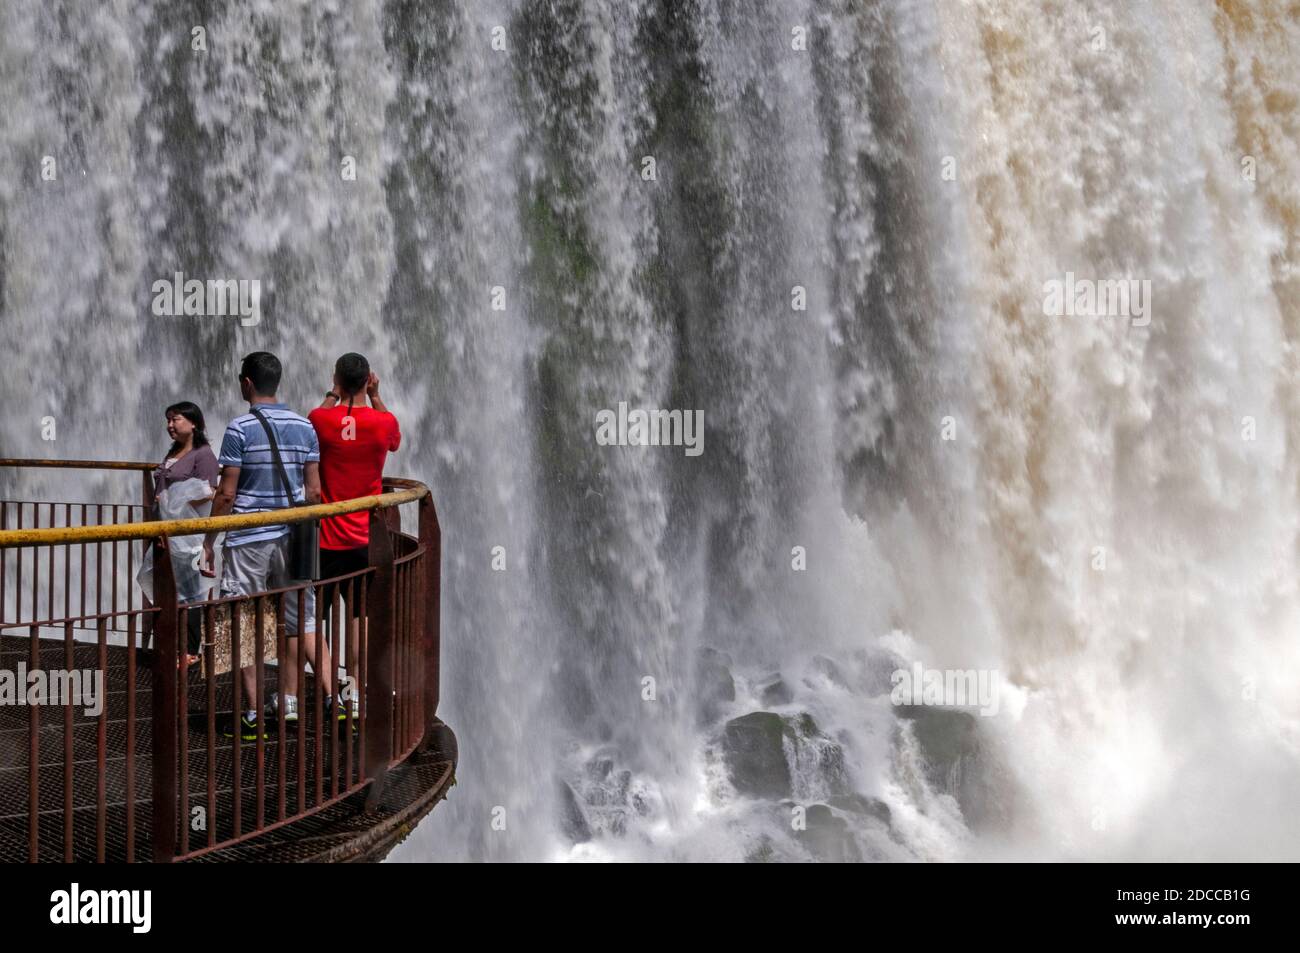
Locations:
(149, 529)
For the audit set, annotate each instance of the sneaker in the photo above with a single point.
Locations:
(284, 707)
(248, 727)
(342, 712)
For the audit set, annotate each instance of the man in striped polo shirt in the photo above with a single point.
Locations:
(256, 560)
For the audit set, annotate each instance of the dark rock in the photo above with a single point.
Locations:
(775, 692)
(573, 820)
(763, 853)
(637, 801)
(715, 687)
(755, 750)
(604, 799)
(947, 738)
(805, 724)
(957, 764)
(861, 804)
(753, 747)
(827, 756)
(827, 836)
(596, 787)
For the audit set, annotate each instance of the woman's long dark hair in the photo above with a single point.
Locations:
(190, 411)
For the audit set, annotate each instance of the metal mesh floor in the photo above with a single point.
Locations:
(341, 831)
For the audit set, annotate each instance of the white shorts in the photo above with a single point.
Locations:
(257, 567)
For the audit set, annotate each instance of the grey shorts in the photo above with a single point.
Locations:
(257, 567)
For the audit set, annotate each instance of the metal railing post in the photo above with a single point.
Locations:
(165, 661)
(431, 609)
(379, 657)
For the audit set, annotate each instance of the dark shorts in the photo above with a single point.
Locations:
(340, 562)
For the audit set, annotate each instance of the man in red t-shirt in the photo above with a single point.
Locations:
(354, 442)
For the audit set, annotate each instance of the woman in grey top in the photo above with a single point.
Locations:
(190, 457)
(183, 488)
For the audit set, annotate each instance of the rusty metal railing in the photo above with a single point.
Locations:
(68, 604)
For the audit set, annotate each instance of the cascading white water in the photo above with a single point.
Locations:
(916, 170)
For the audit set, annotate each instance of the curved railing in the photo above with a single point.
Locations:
(70, 608)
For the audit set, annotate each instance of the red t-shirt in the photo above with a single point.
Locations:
(352, 453)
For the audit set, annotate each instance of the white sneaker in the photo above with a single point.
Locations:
(290, 706)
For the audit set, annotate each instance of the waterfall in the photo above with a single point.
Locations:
(829, 226)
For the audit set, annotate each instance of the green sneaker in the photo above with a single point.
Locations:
(343, 711)
(248, 726)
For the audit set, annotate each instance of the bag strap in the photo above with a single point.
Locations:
(275, 455)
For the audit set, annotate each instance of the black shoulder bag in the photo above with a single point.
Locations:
(304, 537)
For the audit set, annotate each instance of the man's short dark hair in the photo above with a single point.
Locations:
(263, 369)
(353, 372)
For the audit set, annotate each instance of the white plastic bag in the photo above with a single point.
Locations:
(174, 504)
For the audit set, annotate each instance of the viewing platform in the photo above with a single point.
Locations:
(112, 749)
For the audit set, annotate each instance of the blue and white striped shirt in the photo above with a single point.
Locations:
(245, 446)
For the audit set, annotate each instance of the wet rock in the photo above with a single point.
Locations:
(947, 740)
(599, 782)
(573, 820)
(828, 669)
(774, 692)
(715, 686)
(638, 798)
(608, 797)
(861, 804)
(818, 759)
(599, 767)
(827, 836)
(762, 748)
(830, 759)
(753, 748)
(957, 764)
(764, 853)
(805, 724)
